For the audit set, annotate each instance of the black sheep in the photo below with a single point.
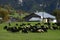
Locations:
(24, 30)
(5, 27)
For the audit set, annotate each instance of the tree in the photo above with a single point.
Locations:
(4, 14)
(57, 14)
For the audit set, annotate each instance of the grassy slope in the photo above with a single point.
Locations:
(50, 35)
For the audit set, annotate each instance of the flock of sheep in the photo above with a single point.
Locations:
(28, 28)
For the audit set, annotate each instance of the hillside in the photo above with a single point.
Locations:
(31, 5)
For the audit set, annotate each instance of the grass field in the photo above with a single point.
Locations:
(50, 35)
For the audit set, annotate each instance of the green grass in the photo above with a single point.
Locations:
(50, 35)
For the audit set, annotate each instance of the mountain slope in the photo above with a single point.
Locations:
(31, 5)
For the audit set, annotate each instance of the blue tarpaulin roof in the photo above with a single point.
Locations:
(45, 15)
